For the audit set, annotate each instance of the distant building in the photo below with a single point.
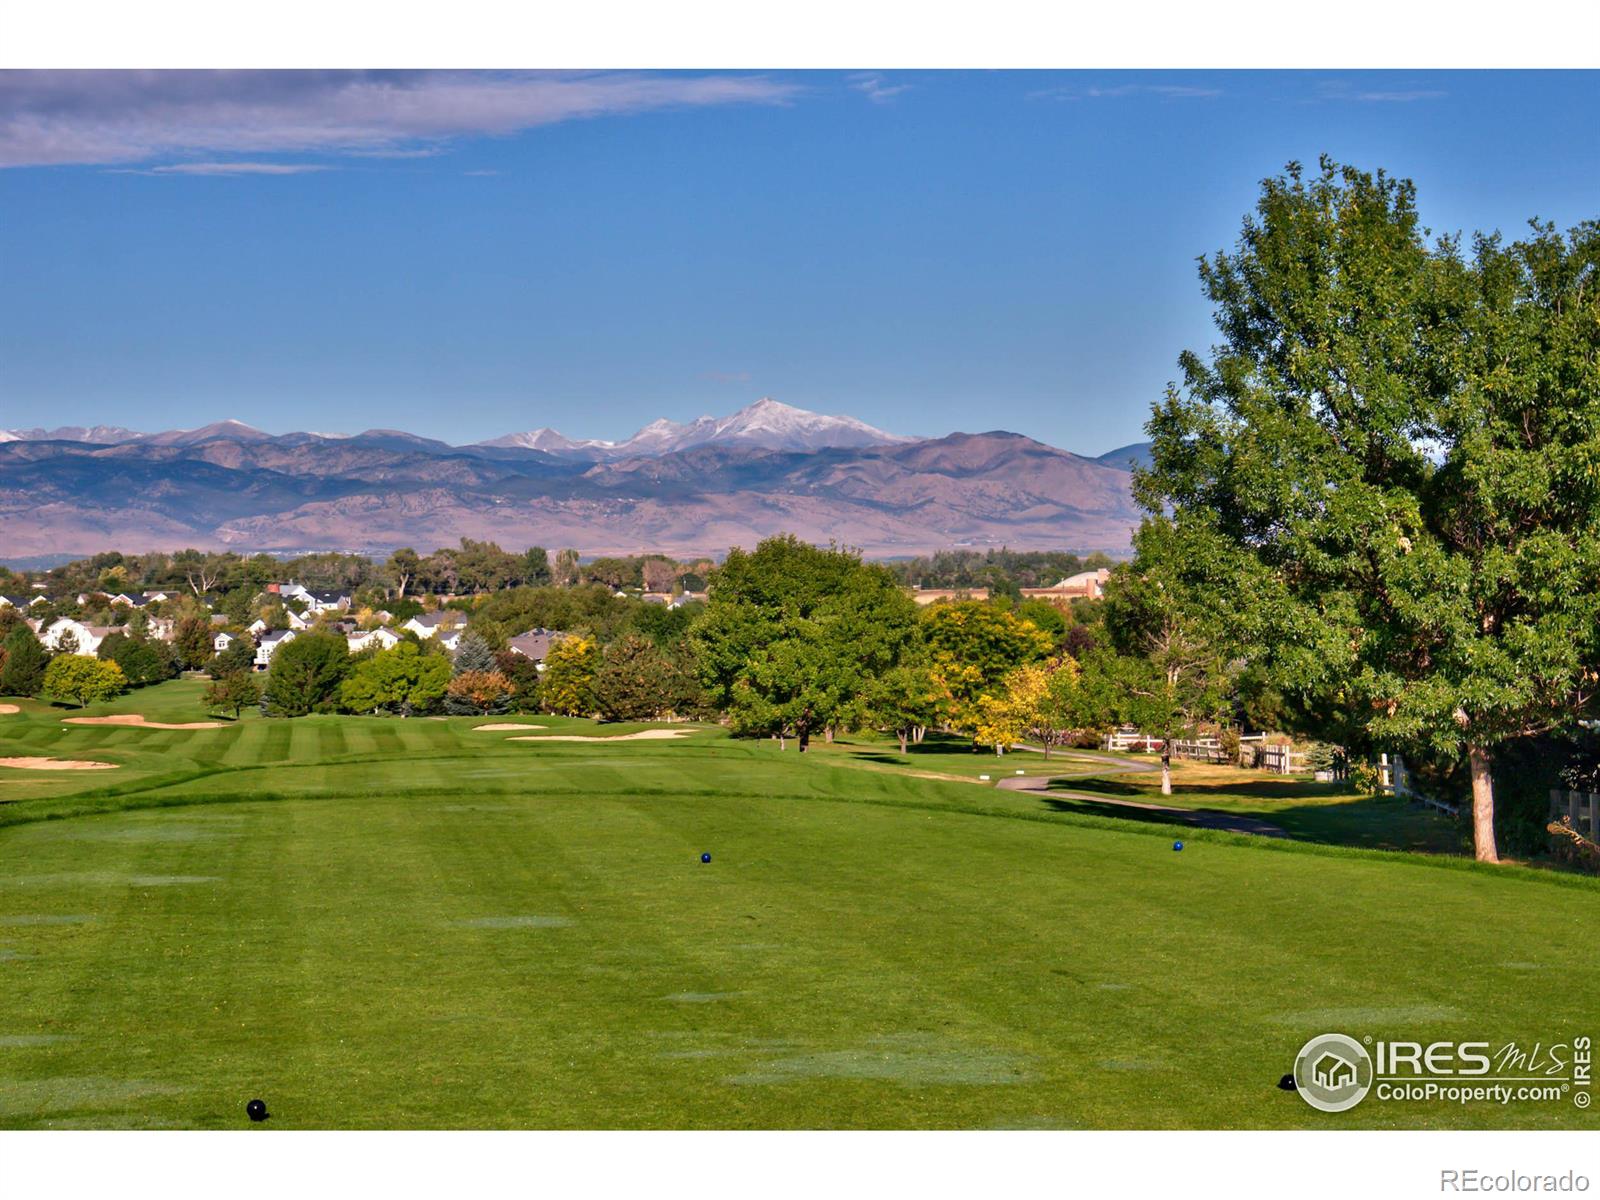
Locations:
(1088, 585)
(86, 637)
(222, 641)
(383, 639)
(268, 646)
(930, 595)
(535, 644)
(432, 624)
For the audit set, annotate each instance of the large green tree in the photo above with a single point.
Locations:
(1393, 457)
(306, 673)
(793, 636)
(79, 679)
(402, 679)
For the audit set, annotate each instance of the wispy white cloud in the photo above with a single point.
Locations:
(1399, 97)
(1339, 89)
(225, 168)
(1121, 91)
(132, 117)
(871, 85)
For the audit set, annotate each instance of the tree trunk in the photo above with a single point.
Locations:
(1166, 767)
(803, 739)
(919, 732)
(1482, 805)
(901, 734)
(827, 735)
(783, 742)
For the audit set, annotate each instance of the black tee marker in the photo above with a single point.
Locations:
(256, 1110)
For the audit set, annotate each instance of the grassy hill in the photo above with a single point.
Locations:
(380, 923)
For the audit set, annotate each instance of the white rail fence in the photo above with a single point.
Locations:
(1254, 753)
(1582, 810)
(1395, 780)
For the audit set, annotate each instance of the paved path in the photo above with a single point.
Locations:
(1200, 818)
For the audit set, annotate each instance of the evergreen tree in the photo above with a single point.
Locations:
(473, 654)
(26, 659)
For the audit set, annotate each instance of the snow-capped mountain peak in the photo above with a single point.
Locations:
(767, 423)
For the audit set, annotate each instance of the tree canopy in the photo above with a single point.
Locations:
(1387, 472)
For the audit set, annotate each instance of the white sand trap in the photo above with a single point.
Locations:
(140, 721)
(7, 709)
(644, 735)
(56, 764)
(505, 725)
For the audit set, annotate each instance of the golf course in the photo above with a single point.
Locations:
(376, 922)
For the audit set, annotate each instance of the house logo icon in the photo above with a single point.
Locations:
(1333, 1072)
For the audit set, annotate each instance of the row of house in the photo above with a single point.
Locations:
(533, 645)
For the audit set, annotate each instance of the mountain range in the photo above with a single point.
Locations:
(681, 488)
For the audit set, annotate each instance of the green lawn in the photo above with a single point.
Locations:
(381, 923)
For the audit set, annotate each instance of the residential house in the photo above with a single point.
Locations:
(535, 644)
(432, 624)
(23, 601)
(321, 602)
(85, 637)
(222, 641)
(268, 646)
(383, 639)
(256, 628)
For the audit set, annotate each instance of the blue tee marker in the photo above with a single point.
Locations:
(1177, 845)
(705, 858)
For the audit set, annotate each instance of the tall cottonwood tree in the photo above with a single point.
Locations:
(1390, 466)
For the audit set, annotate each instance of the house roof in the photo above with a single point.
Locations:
(535, 644)
(275, 636)
(435, 619)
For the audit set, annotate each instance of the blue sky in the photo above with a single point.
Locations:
(463, 256)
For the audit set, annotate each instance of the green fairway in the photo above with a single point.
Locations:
(411, 923)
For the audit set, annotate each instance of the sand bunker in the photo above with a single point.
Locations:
(7, 709)
(140, 721)
(56, 764)
(644, 735)
(504, 725)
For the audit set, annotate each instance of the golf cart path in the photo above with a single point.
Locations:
(1200, 818)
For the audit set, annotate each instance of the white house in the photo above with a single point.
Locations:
(22, 601)
(222, 641)
(268, 646)
(296, 621)
(383, 639)
(321, 602)
(87, 638)
(256, 628)
(432, 624)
